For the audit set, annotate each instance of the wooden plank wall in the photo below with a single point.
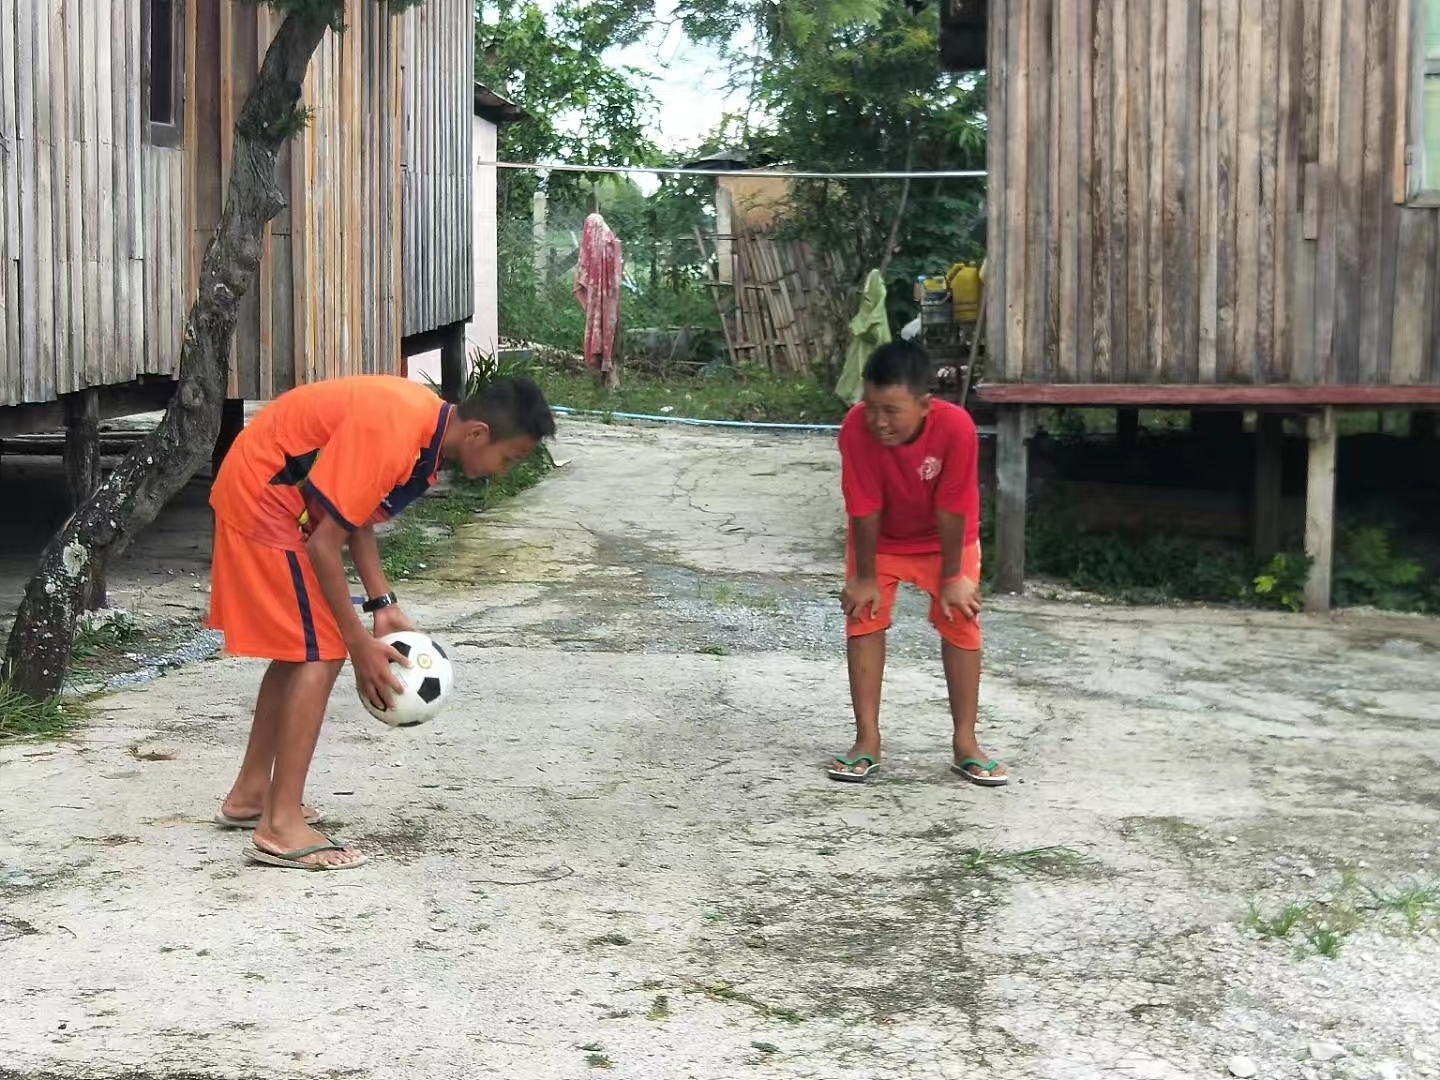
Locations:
(84, 228)
(438, 165)
(327, 302)
(101, 233)
(1202, 192)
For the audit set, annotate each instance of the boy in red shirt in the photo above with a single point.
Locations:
(313, 473)
(908, 470)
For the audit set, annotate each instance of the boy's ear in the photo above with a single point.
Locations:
(478, 430)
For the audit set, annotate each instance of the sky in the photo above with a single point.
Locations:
(688, 81)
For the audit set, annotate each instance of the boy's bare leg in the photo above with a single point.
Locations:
(282, 826)
(866, 657)
(962, 678)
(247, 795)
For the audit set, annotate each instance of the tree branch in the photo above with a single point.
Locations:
(890, 243)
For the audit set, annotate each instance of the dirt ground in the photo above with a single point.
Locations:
(618, 849)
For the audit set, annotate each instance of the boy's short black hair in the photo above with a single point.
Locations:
(511, 407)
(899, 363)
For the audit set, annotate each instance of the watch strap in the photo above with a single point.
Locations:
(375, 603)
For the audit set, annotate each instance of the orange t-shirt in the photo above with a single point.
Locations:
(359, 449)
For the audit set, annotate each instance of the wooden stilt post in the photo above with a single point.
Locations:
(452, 362)
(1266, 492)
(232, 422)
(82, 470)
(1011, 475)
(1127, 428)
(1320, 510)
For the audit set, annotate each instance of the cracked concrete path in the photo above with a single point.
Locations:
(618, 854)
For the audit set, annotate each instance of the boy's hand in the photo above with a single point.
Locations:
(391, 620)
(371, 658)
(861, 595)
(962, 596)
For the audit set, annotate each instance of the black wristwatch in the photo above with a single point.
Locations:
(375, 603)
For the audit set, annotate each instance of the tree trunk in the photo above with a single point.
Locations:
(895, 222)
(38, 655)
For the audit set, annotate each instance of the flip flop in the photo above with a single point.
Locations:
(845, 776)
(225, 822)
(290, 860)
(962, 768)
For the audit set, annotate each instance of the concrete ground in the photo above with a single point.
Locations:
(618, 849)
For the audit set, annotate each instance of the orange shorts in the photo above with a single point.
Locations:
(267, 602)
(922, 571)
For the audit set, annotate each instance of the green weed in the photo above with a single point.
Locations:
(1280, 925)
(1326, 940)
(659, 1008)
(612, 938)
(1282, 582)
(97, 633)
(22, 716)
(1045, 860)
(1369, 572)
(1412, 902)
(596, 1057)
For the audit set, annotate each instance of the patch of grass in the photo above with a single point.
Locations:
(1325, 924)
(659, 1008)
(612, 938)
(1280, 925)
(1412, 902)
(713, 650)
(1044, 860)
(751, 395)
(419, 531)
(726, 992)
(596, 1057)
(724, 593)
(98, 633)
(1326, 940)
(21, 716)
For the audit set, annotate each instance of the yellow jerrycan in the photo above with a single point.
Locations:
(965, 289)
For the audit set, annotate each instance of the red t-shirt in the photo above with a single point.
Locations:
(908, 485)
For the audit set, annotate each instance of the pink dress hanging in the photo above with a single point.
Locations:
(597, 287)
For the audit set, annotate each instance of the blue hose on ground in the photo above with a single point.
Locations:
(565, 410)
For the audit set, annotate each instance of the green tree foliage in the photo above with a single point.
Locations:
(583, 110)
(868, 96)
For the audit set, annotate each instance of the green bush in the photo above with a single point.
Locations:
(1369, 573)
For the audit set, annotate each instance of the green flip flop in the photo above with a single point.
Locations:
(845, 776)
(291, 860)
(962, 768)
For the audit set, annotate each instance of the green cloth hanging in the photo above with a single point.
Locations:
(868, 331)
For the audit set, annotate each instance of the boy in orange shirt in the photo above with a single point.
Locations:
(909, 474)
(312, 474)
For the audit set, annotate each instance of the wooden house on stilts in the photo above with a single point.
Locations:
(115, 152)
(1221, 205)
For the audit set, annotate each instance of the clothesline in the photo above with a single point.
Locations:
(939, 174)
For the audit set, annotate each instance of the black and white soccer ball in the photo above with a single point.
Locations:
(428, 680)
